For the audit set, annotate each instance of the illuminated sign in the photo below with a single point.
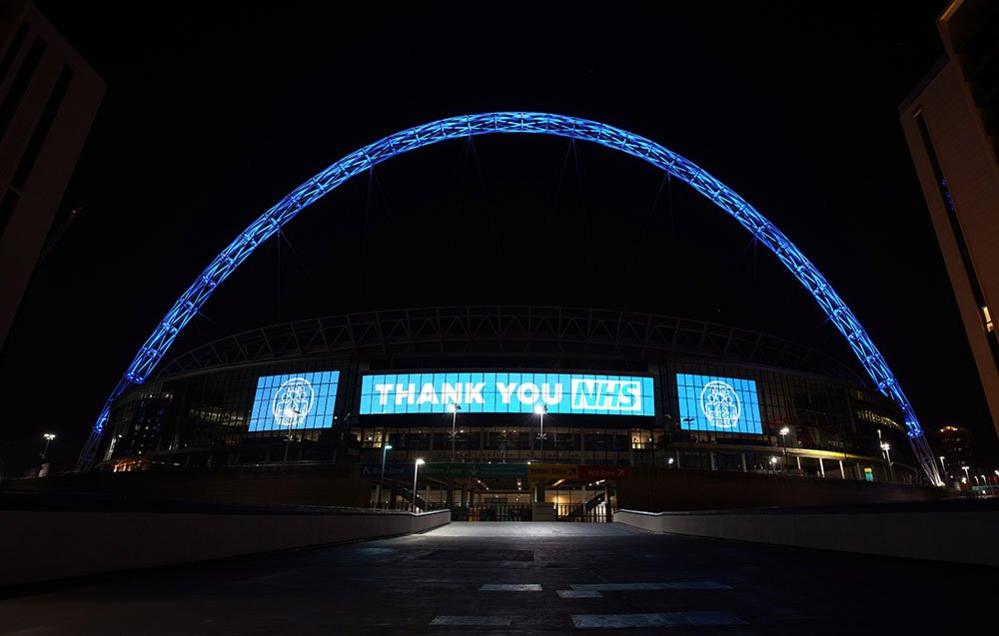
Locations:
(711, 403)
(294, 401)
(491, 392)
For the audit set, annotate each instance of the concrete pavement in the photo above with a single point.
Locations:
(506, 578)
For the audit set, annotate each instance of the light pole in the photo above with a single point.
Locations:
(943, 466)
(416, 473)
(773, 464)
(454, 408)
(378, 496)
(666, 439)
(540, 410)
(48, 437)
(783, 438)
(287, 443)
(965, 469)
(886, 447)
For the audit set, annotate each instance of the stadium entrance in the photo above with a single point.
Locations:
(528, 491)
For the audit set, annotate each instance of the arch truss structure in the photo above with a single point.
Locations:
(363, 159)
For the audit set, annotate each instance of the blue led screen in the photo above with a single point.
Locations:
(717, 404)
(503, 392)
(294, 401)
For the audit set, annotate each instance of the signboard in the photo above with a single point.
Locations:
(294, 401)
(717, 404)
(603, 472)
(392, 471)
(482, 471)
(552, 471)
(507, 392)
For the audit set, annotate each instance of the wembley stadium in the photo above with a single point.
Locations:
(513, 403)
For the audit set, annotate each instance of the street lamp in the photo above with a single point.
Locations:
(783, 438)
(773, 464)
(454, 408)
(943, 466)
(378, 493)
(416, 472)
(287, 442)
(886, 447)
(48, 437)
(540, 410)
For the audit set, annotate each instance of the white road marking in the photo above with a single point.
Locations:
(475, 621)
(579, 594)
(511, 587)
(670, 619)
(638, 587)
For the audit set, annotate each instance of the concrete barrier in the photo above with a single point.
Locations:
(962, 534)
(43, 545)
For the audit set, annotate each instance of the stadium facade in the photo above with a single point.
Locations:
(611, 390)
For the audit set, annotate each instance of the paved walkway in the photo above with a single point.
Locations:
(507, 578)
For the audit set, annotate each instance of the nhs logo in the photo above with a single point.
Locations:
(592, 394)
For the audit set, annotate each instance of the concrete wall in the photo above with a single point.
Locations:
(963, 536)
(658, 489)
(275, 484)
(45, 545)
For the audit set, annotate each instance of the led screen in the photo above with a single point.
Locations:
(294, 400)
(712, 403)
(502, 392)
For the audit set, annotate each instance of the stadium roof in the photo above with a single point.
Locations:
(521, 330)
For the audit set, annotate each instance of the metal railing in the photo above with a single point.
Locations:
(493, 512)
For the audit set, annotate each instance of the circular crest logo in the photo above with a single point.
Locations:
(720, 404)
(293, 402)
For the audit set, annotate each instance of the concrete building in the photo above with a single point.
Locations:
(951, 123)
(954, 450)
(48, 99)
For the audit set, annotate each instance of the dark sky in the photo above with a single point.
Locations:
(213, 115)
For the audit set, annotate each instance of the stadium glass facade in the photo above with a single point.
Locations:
(672, 409)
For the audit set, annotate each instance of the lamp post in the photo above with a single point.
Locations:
(454, 408)
(666, 439)
(378, 493)
(965, 469)
(48, 437)
(540, 410)
(287, 443)
(943, 466)
(773, 464)
(416, 473)
(783, 438)
(886, 447)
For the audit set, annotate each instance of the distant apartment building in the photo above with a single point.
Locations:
(48, 99)
(954, 450)
(951, 124)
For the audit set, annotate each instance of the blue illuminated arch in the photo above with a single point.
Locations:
(188, 305)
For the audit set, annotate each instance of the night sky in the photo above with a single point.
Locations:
(213, 115)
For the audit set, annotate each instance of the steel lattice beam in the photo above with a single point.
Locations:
(271, 221)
